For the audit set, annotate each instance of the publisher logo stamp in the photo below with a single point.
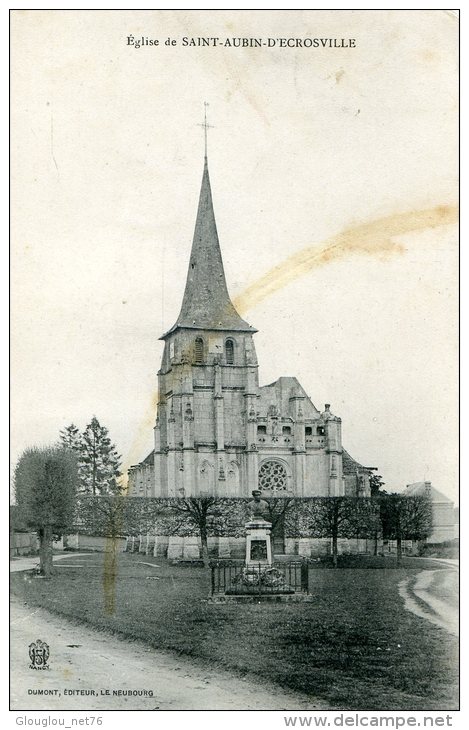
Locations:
(39, 654)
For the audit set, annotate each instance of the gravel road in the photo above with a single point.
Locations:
(85, 664)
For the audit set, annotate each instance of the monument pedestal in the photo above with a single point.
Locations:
(258, 547)
(259, 579)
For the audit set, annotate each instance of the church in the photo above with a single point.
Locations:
(217, 431)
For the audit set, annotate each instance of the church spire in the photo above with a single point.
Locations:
(206, 303)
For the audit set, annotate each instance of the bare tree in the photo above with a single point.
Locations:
(335, 517)
(196, 512)
(405, 518)
(276, 513)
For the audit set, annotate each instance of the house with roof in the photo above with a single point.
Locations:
(444, 513)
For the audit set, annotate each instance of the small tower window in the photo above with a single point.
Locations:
(261, 433)
(199, 350)
(229, 352)
(320, 430)
(286, 430)
(308, 431)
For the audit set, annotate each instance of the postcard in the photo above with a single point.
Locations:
(234, 362)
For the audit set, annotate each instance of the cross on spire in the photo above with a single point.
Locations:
(206, 126)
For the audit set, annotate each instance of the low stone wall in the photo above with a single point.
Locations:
(91, 542)
(174, 547)
(23, 543)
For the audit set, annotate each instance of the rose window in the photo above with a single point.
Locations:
(272, 475)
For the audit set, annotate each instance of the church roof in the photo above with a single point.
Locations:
(349, 465)
(206, 303)
(150, 459)
(281, 391)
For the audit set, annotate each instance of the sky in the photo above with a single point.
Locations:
(334, 181)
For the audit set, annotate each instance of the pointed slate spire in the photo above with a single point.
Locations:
(206, 303)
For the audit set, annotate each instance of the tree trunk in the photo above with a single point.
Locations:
(110, 575)
(45, 551)
(204, 547)
(375, 543)
(399, 549)
(272, 544)
(334, 549)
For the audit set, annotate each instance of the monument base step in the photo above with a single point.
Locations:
(262, 598)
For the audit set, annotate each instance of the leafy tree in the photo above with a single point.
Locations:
(376, 490)
(99, 461)
(376, 484)
(405, 518)
(70, 438)
(46, 481)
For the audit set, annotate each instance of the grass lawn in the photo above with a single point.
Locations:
(354, 645)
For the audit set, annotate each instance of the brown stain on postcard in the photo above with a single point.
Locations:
(111, 550)
(110, 575)
(369, 239)
(141, 439)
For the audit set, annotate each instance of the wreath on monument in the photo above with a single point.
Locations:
(271, 577)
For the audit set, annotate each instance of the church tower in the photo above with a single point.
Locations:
(217, 432)
(205, 432)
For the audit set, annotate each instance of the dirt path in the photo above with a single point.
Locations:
(30, 563)
(85, 660)
(431, 595)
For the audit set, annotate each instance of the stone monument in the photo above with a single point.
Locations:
(258, 546)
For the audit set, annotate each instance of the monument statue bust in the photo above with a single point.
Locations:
(258, 509)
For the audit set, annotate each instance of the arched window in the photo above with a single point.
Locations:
(229, 352)
(206, 478)
(199, 349)
(272, 475)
